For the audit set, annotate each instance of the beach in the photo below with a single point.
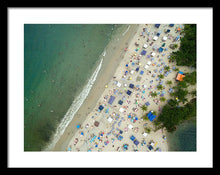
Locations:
(128, 76)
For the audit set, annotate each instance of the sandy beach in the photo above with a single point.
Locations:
(135, 60)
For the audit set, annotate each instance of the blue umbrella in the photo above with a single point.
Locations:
(147, 103)
(78, 126)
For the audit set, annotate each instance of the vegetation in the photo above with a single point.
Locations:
(144, 108)
(167, 68)
(193, 93)
(160, 87)
(153, 94)
(173, 115)
(177, 69)
(190, 78)
(147, 130)
(163, 99)
(174, 46)
(169, 82)
(182, 84)
(161, 76)
(186, 55)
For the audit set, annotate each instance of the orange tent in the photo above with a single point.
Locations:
(179, 29)
(180, 77)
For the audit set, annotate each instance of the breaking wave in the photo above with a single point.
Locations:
(74, 108)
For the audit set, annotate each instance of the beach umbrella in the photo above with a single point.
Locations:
(147, 104)
(155, 38)
(96, 123)
(145, 46)
(78, 126)
(148, 56)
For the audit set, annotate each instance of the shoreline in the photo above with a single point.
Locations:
(113, 71)
(103, 78)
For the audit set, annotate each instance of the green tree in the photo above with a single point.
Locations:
(159, 87)
(173, 115)
(161, 76)
(147, 130)
(144, 108)
(167, 68)
(190, 78)
(182, 84)
(153, 94)
(177, 69)
(169, 82)
(173, 103)
(193, 93)
(186, 55)
(172, 58)
(174, 46)
(163, 99)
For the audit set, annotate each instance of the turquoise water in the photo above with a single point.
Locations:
(184, 138)
(58, 61)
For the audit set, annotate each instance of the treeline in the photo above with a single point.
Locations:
(186, 55)
(172, 114)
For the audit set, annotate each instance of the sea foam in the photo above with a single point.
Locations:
(126, 31)
(74, 108)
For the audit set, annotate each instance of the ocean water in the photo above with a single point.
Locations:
(184, 138)
(61, 62)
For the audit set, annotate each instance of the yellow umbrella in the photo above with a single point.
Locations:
(106, 86)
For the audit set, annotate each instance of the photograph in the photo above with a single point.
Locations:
(101, 87)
